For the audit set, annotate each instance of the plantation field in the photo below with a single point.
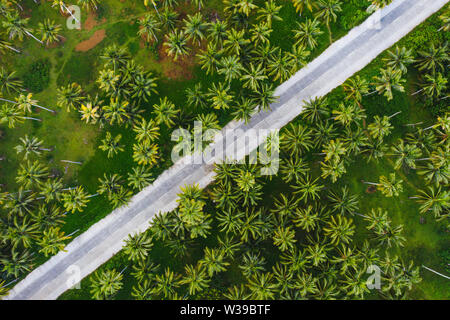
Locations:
(78, 57)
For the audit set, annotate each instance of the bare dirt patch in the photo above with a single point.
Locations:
(96, 38)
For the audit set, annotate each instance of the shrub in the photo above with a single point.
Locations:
(37, 76)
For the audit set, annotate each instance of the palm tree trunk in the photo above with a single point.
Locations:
(440, 274)
(419, 91)
(413, 124)
(329, 33)
(6, 100)
(74, 162)
(13, 49)
(41, 107)
(70, 12)
(69, 235)
(395, 114)
(371, 183)
(30, 118)
(31, 35)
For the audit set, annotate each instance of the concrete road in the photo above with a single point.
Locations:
(339, 62)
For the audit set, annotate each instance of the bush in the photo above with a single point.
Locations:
(37, 76)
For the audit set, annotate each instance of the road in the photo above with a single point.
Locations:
(339, 62)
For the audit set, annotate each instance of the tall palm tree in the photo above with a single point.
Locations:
(230, 67)
(139, 178)
(390, 79)
(194, 27)
(115, 56)
(166, 283)
(296, 140)
(407, 155)
(165, 112)
(116, 111)
(196, 278)
(434, 200)
(137, 247)
(70, 96)
(434, 58)
(16, 27)
(217, 32)
(220, 95)
(213, 261)
(52, 241)
(380, 127)
(75, 200)
(9, 82)
(20, 203)
(284, 238)
(143, 86)
(111, 144)
(400, 59)
(145, 153)
(356, 87)
(149, 27)
(17, 263)
(89, 112)
(327, 12)
(7, 45)
(389, 186)
(301, 4)
(344, 202)
(307, 32)
(30, 146)
(235, 41)
(105, 284)
(308, 188)
(49, 31)
(261, 286)
(270, 12)
(253, 76)
(31, 174)
(176, 44)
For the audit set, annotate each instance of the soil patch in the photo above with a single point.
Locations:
(96, 38)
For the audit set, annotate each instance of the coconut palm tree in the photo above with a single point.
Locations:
(217, 32)
(252, 263)
(52, 241)
(49, 31)
(166, 283)
(75, 200)
(356, 87)
(270, 12)
(111, 144)
(343, 202)
(307, 32)
(105, 284)
(51, 189)
(327, 11)
(16, 27)
(30, 146)
(165, 112)
(434, 58)
(296, 140)
(145, 153)
(22, 233)
(378, 4)
(17, 263)
(380, 127)
(346, 114)
(261, 286)
(230, 67)
(308, 188)
(407, 155)
(89, 4)
(7, 45)
(400, 59)
(244, 110)
(315, 109)
(220, 95)
(390, 79)
(196, 278)
(89, 112)
(260, 33)
(434, 200)
(31, 174)
(149, 27)
(253, 76)
(196, 97)
(445, 18)
(19, 203)
(70, 96)
(139, 178)
(235, 41)
(279, 66)
(116, 111)
(284, 238)
(213, 261)
(264, 96)
(434, 85)
(176, 44)
(115, 56)
(194, 27)
(138, 246)
(389, 186)
(302, 4)
(9, 82)
(334, 169)
(143, 86)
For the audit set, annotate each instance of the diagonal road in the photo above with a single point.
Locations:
(339, 62)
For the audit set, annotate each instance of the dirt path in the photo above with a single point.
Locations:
(96, 38)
